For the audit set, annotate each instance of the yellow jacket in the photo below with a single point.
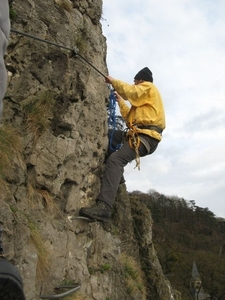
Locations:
(146, 105)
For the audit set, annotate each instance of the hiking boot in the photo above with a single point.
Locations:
(11, 286)
(99, 211)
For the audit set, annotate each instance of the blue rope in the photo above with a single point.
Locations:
(112, 119)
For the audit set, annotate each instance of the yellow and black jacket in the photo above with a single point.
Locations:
(146, 106)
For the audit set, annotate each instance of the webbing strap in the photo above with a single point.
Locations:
(146, 144)
(150, 127)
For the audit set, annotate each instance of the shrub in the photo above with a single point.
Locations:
(38, 113)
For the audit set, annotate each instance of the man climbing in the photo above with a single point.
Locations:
(11, 286)
(145, 120)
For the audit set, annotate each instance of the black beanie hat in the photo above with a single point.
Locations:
(144, 74)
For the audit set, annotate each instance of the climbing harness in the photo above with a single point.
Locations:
(74, 51)
(131, 134)
(112, 119)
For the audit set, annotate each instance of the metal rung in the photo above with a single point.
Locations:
(57, 296)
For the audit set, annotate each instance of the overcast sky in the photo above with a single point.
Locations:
(183, 43)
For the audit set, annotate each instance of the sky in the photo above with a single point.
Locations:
(183, 43)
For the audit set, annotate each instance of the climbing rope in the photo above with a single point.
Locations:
(112, 119)
(74, 52)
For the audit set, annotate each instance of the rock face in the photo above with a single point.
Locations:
(53, 144)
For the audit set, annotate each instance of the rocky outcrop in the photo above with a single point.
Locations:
(54, 140)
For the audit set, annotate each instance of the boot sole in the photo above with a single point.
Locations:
(95, 218)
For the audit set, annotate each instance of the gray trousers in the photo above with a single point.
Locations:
(4, 34)
(116, 162)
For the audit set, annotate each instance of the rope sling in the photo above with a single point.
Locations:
(134, 142)
(112, 119)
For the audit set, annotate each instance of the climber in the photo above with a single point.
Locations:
(146, 121)
(11, 286)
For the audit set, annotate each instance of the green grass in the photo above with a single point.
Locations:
(102, 268)
(12, 14)
(65, 4)
(38, 113)
(105, 267)
(42, 252)
(133, 276)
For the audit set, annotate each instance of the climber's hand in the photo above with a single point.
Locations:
(108, 79)
(118, 97)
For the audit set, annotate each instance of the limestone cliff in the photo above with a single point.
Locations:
(53, 143)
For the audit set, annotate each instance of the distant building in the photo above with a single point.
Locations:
(196, 289)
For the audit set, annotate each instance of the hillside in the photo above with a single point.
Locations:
(184, 233)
